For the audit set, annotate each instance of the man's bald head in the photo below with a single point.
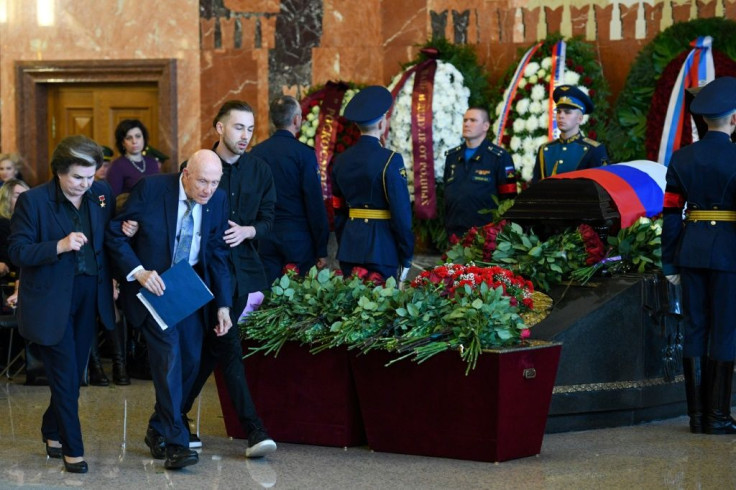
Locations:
(202, 175)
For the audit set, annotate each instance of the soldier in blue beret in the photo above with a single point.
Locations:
(475, 171)
(373, 210)
(300, 228)
(572, 150)
(700, 252)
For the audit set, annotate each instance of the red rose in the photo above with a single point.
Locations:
(338, 272)
(374, 277)
(592, 134)
(360, 272)
(525, 334)
(290, 269)
(454, 240)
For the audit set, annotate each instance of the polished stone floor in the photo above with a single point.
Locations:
(655, 455)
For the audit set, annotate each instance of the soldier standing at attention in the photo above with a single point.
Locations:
(572, 150)
(373, 215)
(700, 251)
(475, 171)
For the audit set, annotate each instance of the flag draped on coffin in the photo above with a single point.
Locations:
(637, 188)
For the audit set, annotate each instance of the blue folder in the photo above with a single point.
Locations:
(185, 293)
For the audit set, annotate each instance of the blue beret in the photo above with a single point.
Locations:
(717, 99)
(571, 96)
(369, 105)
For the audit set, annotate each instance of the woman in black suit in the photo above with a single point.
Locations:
(57, 233)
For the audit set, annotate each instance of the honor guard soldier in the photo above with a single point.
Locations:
(700, 251)
(572, 150)
(475, 171)
(373, 210)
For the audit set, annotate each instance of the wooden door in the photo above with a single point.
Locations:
(95, 111)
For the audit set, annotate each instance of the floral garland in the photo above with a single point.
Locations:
(636, 103)
(347, 132)
(724, 66)
(527, 124)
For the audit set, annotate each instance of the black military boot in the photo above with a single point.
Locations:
(96, 373)
(693, 368)
(117, 337)
(718, 380)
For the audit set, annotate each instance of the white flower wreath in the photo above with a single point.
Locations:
(449, 103)
(311, 119)
(528, 120)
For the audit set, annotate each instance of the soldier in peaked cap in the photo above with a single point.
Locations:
(700, 252)
(373, 210)
(572, 150)
(475, 171)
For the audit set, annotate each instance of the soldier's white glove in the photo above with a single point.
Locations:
(674, 279)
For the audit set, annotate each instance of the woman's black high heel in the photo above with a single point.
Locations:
(80, 467)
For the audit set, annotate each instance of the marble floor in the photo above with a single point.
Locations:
(655, 455)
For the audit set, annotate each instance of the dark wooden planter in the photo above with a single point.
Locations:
(302, 398)
(496, 413)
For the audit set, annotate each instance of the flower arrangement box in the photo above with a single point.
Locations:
(301, 397)
(497, 412)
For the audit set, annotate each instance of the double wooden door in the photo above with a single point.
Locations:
(95, 110)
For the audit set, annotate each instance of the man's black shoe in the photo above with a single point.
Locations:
(179, 457)
(259, 444)
(156, 443)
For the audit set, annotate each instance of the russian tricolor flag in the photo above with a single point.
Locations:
(637, 188)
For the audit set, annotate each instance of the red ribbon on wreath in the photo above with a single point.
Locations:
(425, 195)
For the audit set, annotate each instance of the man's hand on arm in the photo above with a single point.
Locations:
(223, 321)
(235, 235)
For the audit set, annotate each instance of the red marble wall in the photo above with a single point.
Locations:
(366, 41)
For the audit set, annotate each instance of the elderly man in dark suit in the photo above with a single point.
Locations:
(180, 217)
(57, 237)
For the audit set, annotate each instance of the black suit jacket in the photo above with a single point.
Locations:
(45, 295)
(154, 203)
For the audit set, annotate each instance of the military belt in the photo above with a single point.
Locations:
(711, 215)
(369, 213)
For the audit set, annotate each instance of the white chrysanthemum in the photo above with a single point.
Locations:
(527, 172)
(531, 124)
(528, 145)
(522, 106)
(585, 119)
(547, 63)
(571, 78)
(543, 121)
(531, 69)
(538, 92)
(584, 89)
(519, 125)
(537, 107)
(449, 103)
(515, 143)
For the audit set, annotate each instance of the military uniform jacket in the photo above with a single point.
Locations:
(470, 185)
(358, 177)
(299, 204)
(703, 175)
(565, 155)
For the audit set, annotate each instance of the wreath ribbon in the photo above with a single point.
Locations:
(511, 92)
(559, 52)
(696, 71)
